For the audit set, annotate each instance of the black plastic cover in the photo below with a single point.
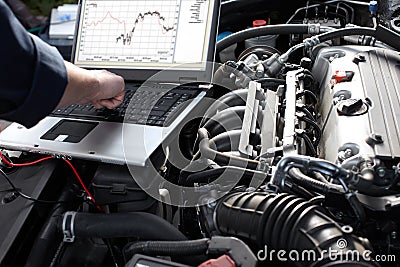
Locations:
(113, 184)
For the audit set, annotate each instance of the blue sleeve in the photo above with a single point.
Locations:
(32, 74)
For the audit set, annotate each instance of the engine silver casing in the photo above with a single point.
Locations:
(376, 81)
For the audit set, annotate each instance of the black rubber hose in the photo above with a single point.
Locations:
(345, 32)
(227, 141)
(305, 110)
(310, 164)
(231, 99)
(309, 183)
(357, 207)
(261, 31)
(283, 221)
(167, 248)
(309, 144)
(315, 126)
(219, 157)
(136, 224)
(311, 95)
(227, 171)
(320, 177)
(226, 120)
(45, 246)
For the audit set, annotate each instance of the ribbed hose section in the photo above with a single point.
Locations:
(167, 248)
(283, 221)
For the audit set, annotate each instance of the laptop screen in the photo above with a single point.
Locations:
(146, 34)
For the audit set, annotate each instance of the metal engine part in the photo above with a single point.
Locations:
(360, 90)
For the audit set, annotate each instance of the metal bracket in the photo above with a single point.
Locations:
(68, 226)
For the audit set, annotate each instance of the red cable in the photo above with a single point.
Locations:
(82, 184)
(6, 161)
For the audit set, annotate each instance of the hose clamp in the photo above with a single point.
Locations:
(68, 226)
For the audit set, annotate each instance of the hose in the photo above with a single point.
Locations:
(305, 110)
(227, 141)
(356, 206)
(320, 177)
(228, 119)
(315, 126)
(262, 31)
(307, 182)
(45, 246)
(284, 221)
(221, 158)
(167, 248)
(345, 32)
(136, 224)
(309, 143)
(233, 98)
(228, 171)
(309, 164)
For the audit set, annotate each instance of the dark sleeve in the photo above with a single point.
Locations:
(32, 74)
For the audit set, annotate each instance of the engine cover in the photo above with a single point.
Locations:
(359, 102)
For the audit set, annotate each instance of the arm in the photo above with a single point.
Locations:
(35, 80)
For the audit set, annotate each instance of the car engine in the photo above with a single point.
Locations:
(292, 160)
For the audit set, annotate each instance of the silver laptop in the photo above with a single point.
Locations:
(156, 45)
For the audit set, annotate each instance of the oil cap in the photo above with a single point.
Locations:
(352, 107)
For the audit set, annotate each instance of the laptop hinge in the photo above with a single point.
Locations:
(184, 80)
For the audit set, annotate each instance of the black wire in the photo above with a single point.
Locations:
(312, 95)
(3, 174)
(307, 112)
(110, 248)
(318, 132)
(309, 144)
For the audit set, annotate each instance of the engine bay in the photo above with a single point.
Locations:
(293, 159)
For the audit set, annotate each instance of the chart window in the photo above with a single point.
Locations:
(143, 34)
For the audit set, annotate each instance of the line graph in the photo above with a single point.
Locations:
(126, 38)
(129, 31)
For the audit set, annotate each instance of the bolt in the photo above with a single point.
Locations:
(348, 153)
(211, 203)
(381, 172)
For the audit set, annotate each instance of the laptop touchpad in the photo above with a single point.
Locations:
(69, 131)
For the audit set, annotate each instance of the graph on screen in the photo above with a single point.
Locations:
(132, 31)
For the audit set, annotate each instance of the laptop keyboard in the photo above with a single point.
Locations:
(146, 107)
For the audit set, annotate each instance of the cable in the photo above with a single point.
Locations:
(309, 144)
(305, 110)
(83, 184)
(9, 163)
(15, 189)
(314, 125)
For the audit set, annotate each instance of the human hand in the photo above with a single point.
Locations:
(99, 87)
(110, 90)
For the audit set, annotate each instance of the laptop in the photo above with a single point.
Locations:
(162, 48)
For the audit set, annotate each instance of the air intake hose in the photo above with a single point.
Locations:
(283, 221)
